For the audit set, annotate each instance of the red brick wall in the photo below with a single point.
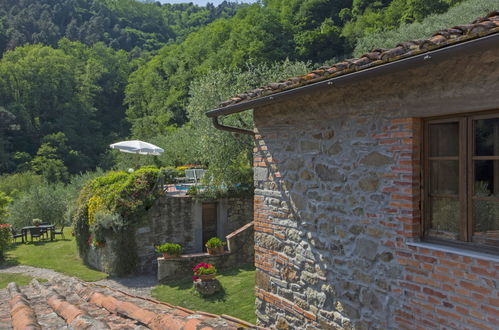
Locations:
(438, 288)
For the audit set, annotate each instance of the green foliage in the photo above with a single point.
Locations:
(44, 201)
(49, 165)
(203, 269)
(111, 205)
(5, 200)
(214, 242)
(367, 17)
(20, 279)
(5, 239)
(169, 248)
(462, 13)
(18, 183)
(61, 99)
(120, 24)
(228, 155)
(158, 90)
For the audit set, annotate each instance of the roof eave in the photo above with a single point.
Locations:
(431, 56)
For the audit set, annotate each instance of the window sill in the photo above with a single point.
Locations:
(454, 250)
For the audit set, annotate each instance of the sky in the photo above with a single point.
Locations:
(203, 2)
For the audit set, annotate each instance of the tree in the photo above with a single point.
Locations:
(48, 164)
(229, 155)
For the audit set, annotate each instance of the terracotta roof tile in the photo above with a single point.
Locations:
(480, 27)
(80, 305)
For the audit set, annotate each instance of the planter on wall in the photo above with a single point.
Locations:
(215, 251)
(169, 256)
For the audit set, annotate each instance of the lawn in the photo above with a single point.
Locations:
(237, 298)
(20, 279)
(60, 255)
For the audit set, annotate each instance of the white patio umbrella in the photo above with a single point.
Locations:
(137, 147)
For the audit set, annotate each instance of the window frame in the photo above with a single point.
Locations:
(466, 160)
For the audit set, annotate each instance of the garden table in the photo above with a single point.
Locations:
(47, 228)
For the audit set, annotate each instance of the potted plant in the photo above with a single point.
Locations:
(204, 272)
(169, 250)
(36, 222)
(215, 246)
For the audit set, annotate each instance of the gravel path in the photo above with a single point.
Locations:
(139, 285)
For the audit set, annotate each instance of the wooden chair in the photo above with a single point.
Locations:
(45, 231)
(15, 235)
(58, 231)
(35, 232)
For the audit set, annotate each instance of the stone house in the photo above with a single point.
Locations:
(377, 187)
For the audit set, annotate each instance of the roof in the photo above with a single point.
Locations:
(480, 27)
(65, 302)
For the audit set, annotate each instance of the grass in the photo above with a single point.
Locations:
(60, 255)
(20, 279)
(237, 299)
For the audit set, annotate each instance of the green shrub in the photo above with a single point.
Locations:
(214, 242)
(5, 238)
(169, 248)
(462, 13)
(211, 192)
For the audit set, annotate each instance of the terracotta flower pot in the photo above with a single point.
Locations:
(215, 251)
(207, 277)
(169, 256)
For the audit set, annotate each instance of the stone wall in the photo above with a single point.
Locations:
(337, 207)
(178, 220)
(175, 220)
(240, 251)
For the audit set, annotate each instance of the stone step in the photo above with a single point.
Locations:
(64, 303)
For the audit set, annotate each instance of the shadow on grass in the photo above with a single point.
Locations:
(36, 242)
(11, 261)
(186, 284)
(216, 297)
(8, 262)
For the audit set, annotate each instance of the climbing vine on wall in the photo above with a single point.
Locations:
(111, 205)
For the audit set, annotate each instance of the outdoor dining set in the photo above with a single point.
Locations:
(43, 231)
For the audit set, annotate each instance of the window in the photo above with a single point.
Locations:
(461, 180)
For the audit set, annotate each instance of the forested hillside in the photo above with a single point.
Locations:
(77, 75)
(120, 24)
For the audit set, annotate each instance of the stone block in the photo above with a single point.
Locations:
(369, 184)
(260, 173)
(365, 248)
(376, 159)
(326, 173)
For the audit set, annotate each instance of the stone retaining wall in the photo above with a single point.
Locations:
(174, 220)
(240, 251)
